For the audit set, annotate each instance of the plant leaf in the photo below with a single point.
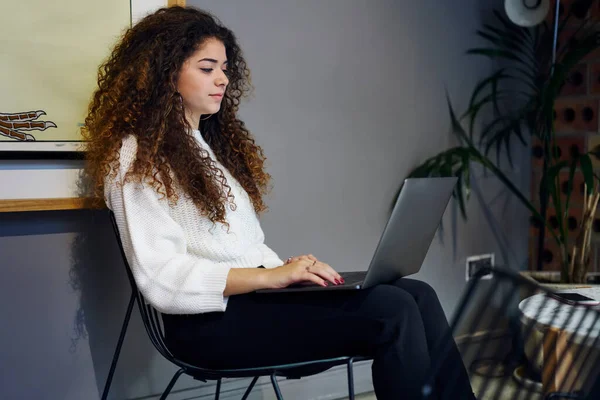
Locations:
(453, 162)
(588, 171)
(502, 134)
(508, 150)
(595, 152)
(504, 39)
(483, 84)
(458, 190)
(456, 127)
(572, 169)
(518, 131)
(550, 178)
(552, 174)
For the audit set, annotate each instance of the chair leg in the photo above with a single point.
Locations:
(218, 389)
(171, 384)
(250, 388)
(276, 387)
(113, 365)
(350, 380)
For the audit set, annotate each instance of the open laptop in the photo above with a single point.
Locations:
(405, 239)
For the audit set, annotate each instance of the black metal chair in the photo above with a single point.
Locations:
(152, 322)
(527, 335)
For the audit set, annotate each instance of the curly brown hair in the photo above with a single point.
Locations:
(137, 95)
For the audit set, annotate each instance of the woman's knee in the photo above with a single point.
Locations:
(418, 289)
(399, 314)
(389, 300)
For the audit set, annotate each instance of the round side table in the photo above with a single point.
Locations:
(562, 340)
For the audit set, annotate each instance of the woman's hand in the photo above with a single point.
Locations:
(302, 269)
(307, 256)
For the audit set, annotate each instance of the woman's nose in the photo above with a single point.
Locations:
(222, 79)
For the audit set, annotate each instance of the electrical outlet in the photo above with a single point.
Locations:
(474, 263)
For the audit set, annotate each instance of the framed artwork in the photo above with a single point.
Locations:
(50, 55)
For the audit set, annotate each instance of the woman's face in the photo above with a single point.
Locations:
(202, 80)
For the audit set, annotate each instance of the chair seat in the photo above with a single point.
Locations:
(291, 371)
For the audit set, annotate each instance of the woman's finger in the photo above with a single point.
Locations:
(332, 271)
(309, 276)
(326, 272)
(311, 257)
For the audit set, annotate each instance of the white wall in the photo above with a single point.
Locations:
(349, 97)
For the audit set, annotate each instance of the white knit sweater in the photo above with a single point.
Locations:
(180, 261)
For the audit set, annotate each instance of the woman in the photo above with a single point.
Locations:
(185, 180)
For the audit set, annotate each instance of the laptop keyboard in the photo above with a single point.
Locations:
(353, 278)
(350, 279)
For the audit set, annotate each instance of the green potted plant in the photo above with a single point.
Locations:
(516, 103)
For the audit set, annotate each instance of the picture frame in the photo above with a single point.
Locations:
(49, 94)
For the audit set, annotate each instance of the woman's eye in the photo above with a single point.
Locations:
(207, 70)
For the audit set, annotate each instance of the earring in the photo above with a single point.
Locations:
(180, 97)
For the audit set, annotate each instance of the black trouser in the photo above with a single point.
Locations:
(399, 325)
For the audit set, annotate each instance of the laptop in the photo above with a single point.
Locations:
(405, 240)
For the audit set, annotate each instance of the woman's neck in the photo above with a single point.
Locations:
(193, 119)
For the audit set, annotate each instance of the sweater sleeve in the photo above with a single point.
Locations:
(172, 280)
(270, 258)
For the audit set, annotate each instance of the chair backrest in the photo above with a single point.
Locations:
(150, 316)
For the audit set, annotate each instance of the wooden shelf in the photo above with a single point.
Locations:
(23, 205)
(171, 3)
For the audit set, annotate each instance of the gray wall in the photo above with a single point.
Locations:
(349, 97)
